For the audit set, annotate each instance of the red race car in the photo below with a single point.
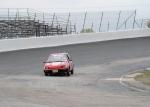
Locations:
(58, 63)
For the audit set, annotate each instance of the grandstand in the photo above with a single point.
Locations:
(28, 22)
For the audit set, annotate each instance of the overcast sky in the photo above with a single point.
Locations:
(78, 5)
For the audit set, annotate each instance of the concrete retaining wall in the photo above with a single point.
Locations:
(26, 43)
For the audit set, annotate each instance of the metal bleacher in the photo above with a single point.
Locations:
(26, 23)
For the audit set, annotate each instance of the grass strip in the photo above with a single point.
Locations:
(144, 77)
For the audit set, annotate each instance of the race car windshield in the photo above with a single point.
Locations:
(57, 58)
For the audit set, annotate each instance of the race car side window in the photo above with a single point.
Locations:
(69, 57)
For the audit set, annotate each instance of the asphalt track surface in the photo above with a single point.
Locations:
(96, 82)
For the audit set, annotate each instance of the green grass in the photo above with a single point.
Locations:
(88, 30)
(144, 77)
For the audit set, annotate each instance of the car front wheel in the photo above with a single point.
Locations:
(68, 72)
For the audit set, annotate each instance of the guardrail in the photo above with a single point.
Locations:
(39, 42)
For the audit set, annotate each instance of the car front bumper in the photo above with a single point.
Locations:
(56, 71)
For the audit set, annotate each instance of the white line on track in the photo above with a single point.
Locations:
(128, 86)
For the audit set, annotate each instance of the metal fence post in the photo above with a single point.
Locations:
(100, 24)
(53, 20)
(134, 19)
(70, 28)
(57, 21)
(84, 20)
(75, 28)
(125, 24)
(28, 14)
(8, 14)
(92, 26)
(34, 16)
(57, 24)
(118, 20)
(8, 24)
(142, 23)
(43, 18)
(67, 23)
(18, 13)
(108, 26)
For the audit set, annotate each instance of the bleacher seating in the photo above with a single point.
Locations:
(23, 26)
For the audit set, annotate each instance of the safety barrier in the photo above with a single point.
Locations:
(51, 41)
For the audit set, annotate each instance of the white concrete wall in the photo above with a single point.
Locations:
(25, 43)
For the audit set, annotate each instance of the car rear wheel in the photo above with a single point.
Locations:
(46, 74)
(72, 72)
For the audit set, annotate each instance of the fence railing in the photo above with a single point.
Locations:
(111, 21)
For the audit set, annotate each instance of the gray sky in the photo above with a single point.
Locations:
(78, 5)
(71, 3)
